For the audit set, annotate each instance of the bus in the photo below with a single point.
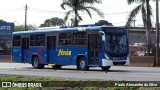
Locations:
(98, 46)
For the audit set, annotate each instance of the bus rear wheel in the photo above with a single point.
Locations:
(35, 63)
(106, 68)
(56, 66)
(82, 65)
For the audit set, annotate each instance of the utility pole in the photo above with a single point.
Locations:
(25, 27)
(157, 33)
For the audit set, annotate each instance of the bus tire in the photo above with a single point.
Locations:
(35, 63)
(82, 65)
(57, 66)
(106, 68)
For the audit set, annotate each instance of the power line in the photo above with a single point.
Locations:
(12, 10)
(58, 12)
(40, 10)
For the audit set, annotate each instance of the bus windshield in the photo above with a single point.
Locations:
(116, 44)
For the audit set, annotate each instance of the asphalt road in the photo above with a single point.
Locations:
(116, 73)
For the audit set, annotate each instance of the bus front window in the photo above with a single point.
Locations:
(116, 44)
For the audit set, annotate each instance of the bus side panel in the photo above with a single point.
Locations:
(68, 55)
(76, 51)
(100, 56)
(40, 51)
(43, 55)
(16, 54)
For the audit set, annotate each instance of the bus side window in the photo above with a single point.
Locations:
(65, 38)
(79, 38)
(32, 40)
(17, 40)
(40, 40)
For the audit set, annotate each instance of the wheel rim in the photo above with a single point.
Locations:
(82, 64)
(35, 63)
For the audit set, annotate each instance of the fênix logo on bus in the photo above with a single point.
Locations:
(62, 52)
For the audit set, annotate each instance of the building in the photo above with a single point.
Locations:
(138, 35)
(6, 30)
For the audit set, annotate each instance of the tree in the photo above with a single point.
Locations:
(22, 28)
(55, 21)
(80, 5)
(103, 22)
(2, 21)
(146, 11)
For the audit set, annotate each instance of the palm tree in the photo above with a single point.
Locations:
(80, 5)
(146, 12)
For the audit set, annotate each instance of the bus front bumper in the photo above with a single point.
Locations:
(106, 62)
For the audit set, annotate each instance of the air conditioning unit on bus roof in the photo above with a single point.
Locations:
(42, 28)
(56, 27)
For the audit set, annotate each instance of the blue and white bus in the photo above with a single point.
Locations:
(101, 46)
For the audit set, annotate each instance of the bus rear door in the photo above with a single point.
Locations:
(25, 47)
(93, 49)
(51, 51)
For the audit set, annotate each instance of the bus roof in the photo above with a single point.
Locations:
(48, 30)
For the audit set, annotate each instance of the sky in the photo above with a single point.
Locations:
(116, 11)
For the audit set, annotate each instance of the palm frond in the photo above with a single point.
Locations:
(80, 5)
(79, 17)
(82, 2)
(135, 1)
(66, 3)
(87, 10)
(99, 12)
(67, 15)
(132, 15)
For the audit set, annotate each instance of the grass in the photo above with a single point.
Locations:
(64, 84)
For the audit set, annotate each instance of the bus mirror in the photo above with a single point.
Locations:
(103, 37)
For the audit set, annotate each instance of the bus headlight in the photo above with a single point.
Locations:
(106, 57)
(128, 57)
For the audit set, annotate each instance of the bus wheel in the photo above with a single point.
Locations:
(36, 64)
(106, 68)
(82, 64)
(56, 66)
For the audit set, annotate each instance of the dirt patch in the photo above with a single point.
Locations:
(5, 58)
(142, 61)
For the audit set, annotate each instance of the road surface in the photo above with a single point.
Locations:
(116, 73)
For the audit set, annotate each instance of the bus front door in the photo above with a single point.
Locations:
(25, 47)
(93, 49)
(51, 45)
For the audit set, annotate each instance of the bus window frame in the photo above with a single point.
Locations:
(65, 39)
(37, 40)
(19, 40)
(84, 38)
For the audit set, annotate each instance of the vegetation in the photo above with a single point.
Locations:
(65, 83)
(146, 11)
(2, 21)
(55, 21)
(80, 5)
(22, 28)
(103, 22)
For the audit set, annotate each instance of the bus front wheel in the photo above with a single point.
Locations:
(35, 63)
(106, 68)
(82, 65)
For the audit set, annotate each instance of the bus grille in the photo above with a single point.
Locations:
(119, 63)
